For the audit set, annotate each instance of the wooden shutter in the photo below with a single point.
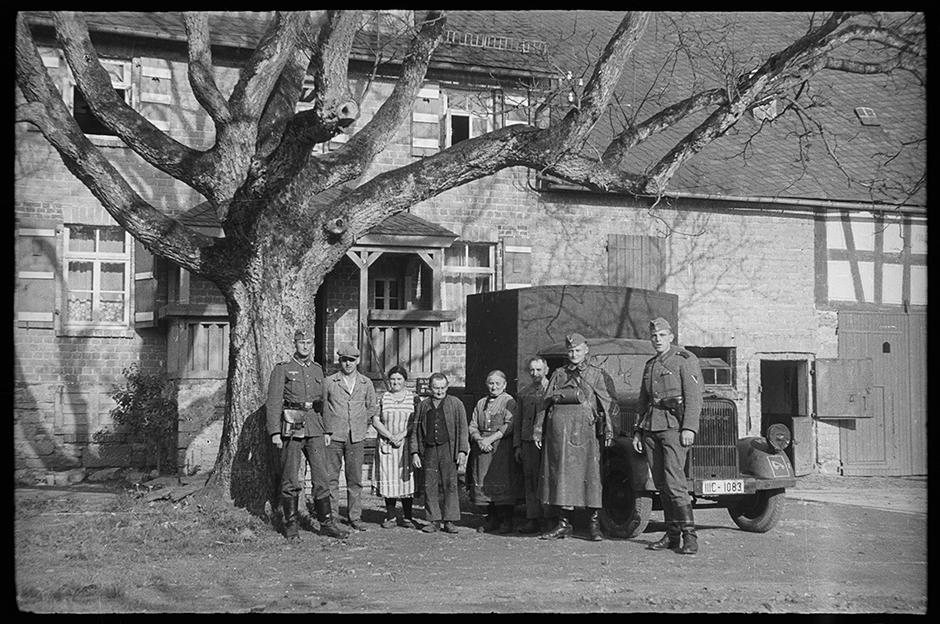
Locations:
(635, 261)
(517, 263)
(155, 90)
(36, 263)
(426, 121)
(145, 287)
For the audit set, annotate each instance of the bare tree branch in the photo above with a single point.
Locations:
(350, 161)
(46, 110)
(94, 82)
(201, 78)
(262, 70)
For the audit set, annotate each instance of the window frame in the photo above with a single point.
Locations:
(97, 258)
(127, 85)
(451, 111)
(465, 271)
(727, 354)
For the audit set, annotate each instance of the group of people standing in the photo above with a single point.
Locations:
(542, 449)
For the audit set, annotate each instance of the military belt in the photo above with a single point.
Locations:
(306, 405)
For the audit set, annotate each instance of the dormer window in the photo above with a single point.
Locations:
(867, 116)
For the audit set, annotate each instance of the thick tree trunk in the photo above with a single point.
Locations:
(248, 465)
(273, 298)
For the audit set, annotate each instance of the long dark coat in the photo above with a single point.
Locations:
(573, 435)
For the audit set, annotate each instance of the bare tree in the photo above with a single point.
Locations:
(269, 189)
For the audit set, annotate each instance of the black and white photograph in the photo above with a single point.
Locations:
(470, 311)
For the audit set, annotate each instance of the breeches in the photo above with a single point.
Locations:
(292, 453)
(666, 457)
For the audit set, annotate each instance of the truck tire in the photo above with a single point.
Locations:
(625, 513)
(758, 512)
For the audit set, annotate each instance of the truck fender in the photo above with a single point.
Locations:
(757, 458)
(640, 475)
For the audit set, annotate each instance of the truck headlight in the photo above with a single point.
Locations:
(778, 436)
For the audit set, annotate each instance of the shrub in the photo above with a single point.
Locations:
(147, 411)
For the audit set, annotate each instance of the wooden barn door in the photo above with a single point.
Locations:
(894, 440)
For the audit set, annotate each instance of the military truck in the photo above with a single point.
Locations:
(746, 475)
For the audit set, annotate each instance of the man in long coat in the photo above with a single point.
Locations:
(577, 421)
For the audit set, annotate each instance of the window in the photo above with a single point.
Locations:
(867, 116)
(120, 72)
(386, 295)
(467, 117)
(717, 364)
(97, 276)
(468, 270)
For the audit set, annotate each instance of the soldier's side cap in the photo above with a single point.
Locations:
(347, 350)
(659, 324)
(573, 340)
(302, 334)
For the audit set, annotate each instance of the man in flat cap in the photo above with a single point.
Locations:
(667, 420)
(349, 405)
(295, 423)
(579, 407)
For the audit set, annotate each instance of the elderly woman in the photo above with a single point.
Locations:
(394, 479)
(494, 480)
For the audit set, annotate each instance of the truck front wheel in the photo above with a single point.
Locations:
(625, 513)
(758, 512)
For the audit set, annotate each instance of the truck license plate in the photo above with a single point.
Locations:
(726, 486)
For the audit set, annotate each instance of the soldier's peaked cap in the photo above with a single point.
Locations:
(573, 340)
(659, 324)
(302, 334)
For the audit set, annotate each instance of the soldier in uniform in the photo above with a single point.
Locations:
(577, 421)
(295, 423)
(531, 408)
(668, 414)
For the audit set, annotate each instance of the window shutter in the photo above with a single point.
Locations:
(36, 262)
(426, 121)
(635, 261)
(517, 263)
(145, 287)
(155, 94)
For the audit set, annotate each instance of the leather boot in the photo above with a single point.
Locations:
(291, 516)
(671, 539)
(325, 518)
(687, 526)
(562, 530)
(490, 521)
(531, 526)
(594, 527)
(505, 513)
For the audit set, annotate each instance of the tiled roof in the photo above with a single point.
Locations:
(407, 224)
(771, 163)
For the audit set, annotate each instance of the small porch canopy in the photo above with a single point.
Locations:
(409, 335)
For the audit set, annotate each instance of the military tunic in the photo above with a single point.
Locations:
(298, 385)
(571, 449)
(672, 374)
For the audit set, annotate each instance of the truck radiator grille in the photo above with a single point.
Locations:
(715, 454)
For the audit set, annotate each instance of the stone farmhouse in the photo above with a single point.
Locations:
(801, 278)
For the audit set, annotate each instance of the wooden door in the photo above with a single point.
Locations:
(894, 440)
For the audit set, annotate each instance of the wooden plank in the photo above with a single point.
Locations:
(199, 350)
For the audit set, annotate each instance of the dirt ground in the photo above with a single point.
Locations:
(90, 554)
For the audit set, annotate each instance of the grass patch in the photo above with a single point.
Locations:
(67, 559)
